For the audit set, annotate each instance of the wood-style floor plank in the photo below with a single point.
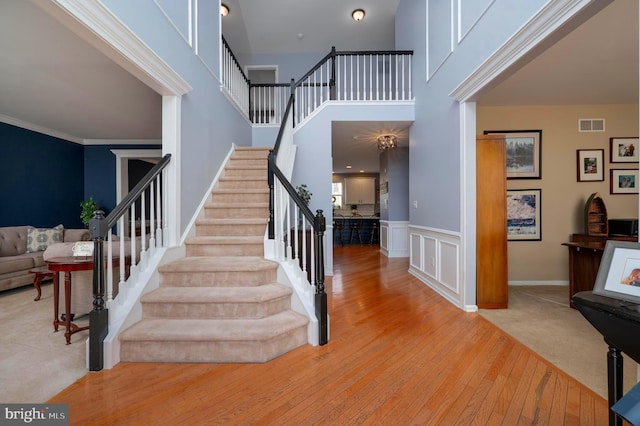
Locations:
(399, 354)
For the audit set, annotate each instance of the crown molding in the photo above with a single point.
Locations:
(40, 129)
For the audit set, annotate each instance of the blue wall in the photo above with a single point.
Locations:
(44, 178)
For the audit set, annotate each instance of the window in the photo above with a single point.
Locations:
(336, 194)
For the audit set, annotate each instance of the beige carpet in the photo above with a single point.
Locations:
(540, 318)
(35, 362)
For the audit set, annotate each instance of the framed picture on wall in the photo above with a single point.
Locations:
(619, 273)
(624, 181)
(623, 150)
(523, 152)
(524, 215)
(590, 165)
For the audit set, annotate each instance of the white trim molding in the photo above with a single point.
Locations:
(393, 238)
(40, 129)
(435, 259)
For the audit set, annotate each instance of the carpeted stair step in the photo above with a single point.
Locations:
(253, 171)
(241, 195)
(246, 210)
(218, 271)
(213, 340)
(237, 182)
(216, 302)
(250, 152)
(252, 162)
(225, 246)
(231, 227)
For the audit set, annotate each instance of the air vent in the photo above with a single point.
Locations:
(591, 125)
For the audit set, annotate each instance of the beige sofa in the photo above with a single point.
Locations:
(19, 253)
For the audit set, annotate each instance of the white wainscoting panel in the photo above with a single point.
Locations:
(415, 251)
(394, 239)
(384, 237)
(435, 260)
(430, 256)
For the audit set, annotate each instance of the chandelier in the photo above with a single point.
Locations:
(387, 142)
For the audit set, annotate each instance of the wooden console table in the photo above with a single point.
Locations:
(584, 262)
(585, 254)
(67, 265)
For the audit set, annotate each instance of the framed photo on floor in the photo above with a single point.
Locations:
(623, 150)
(524, 219)
(523, 152)
(619, 273)
(590, 165)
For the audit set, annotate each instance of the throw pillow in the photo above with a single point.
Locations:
(38, 239)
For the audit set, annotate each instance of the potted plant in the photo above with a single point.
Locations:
(88, 209)
(304, 193)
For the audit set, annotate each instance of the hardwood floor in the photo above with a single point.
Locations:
(399, 354)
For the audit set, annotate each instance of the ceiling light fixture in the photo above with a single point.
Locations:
(387, 142)
(357, 15)
(224, 9)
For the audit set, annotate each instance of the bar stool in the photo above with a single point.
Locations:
(374, 232)
(356, 225)
(338, 226)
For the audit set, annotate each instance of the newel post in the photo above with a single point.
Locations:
(332, 81)
(293, 102)
(320, 296)
(99, 316)
(270, 178)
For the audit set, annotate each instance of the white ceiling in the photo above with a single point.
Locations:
(53, 80)
(302, 26)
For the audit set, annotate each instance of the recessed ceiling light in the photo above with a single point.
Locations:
(361, 171)
(348, 167)
(357, 15)
(224, 9)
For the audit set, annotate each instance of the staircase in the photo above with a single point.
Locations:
(221, 303)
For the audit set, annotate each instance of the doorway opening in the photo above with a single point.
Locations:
(263, 99)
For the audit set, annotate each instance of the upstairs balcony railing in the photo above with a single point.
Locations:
(339, 76)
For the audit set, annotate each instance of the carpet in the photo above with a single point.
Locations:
(36, 363)
(541, 319)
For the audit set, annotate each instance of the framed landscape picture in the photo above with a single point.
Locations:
(619, 273)
(524, 215)
(624, 181)
(623, 150)
(590, 165)
(523, 152)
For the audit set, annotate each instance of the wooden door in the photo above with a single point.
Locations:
(491, 222)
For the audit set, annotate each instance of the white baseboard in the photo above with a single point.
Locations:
(524, 283)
